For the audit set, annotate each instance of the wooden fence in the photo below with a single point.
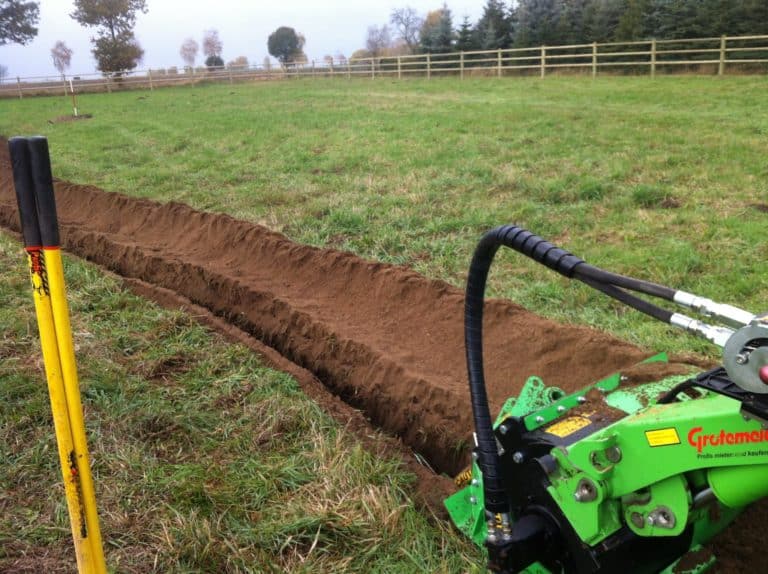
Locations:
(734, 54)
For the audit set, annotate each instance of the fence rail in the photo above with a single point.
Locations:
(703, 55)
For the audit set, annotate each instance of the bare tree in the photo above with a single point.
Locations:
(62, 56)
(377, 40)
(212, 44)
(188, 52)
(407, 23)
(239, 63)
(3, 72)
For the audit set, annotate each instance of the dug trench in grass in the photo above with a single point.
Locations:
(347, 320)
(204, 459)
(382, 337)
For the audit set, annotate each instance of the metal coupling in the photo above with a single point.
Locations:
(712, 333)
(726, 313)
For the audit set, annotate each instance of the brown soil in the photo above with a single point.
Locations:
(381, 338)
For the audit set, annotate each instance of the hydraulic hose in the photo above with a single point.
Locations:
(568, 265)
(496, 500)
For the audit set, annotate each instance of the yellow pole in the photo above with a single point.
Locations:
(63, 328)
(34, 191)
(61, 422)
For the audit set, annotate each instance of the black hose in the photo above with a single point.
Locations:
(561, 261)
(568, 265)
(595, 273)
(630, 300)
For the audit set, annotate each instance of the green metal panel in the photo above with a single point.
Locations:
(739, 485)
(640, 464)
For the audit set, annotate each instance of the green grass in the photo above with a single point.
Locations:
(204, 460)
(663, 179)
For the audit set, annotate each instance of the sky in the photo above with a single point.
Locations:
(330, 27)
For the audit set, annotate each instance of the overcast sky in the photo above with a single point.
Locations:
(330, 27)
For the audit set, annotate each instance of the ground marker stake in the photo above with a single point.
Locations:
(34, 193)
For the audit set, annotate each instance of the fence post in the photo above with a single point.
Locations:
(721, 66)
(18, 86)
(399, 69)
(543, 61)
(64, 81)
(313, 68)
(498, 63)
(109, 83)
(594, 59)
(429, 66)
(230, 74)
(461, 65)
(653, 58)
(151, 87)
(373, 68)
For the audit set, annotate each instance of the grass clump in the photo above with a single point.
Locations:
(650, 196)
(203, 459)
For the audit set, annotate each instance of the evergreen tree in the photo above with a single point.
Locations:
(603, 19)
(571, 26)
(494, 29)
(631, 24)
(539, 22)
(437, 35)
(465, 40)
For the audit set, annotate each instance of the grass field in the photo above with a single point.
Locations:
(665, 179)
(205, 461)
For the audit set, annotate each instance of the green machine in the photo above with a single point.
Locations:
(618, 477)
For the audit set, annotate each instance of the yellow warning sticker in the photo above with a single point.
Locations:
(569, 425)
(662, 437)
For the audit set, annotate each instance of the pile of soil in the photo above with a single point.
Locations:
(383, 338)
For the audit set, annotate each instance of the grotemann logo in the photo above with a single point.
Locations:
(700, 440)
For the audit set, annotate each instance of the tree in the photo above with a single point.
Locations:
(17, 21)
(285, 45)
(267, 63)
(407, 25)
(115, 55)
(602, 19)
(437, 33)
(62, 56)
(214, 62)
(212, 46)
(630, 26)
(466, 37)
(539, 22)
(188, 52)
(494, 29)
(3, 72)
(377, 40)
(361, 54)
(239, 63)
(115, 47)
